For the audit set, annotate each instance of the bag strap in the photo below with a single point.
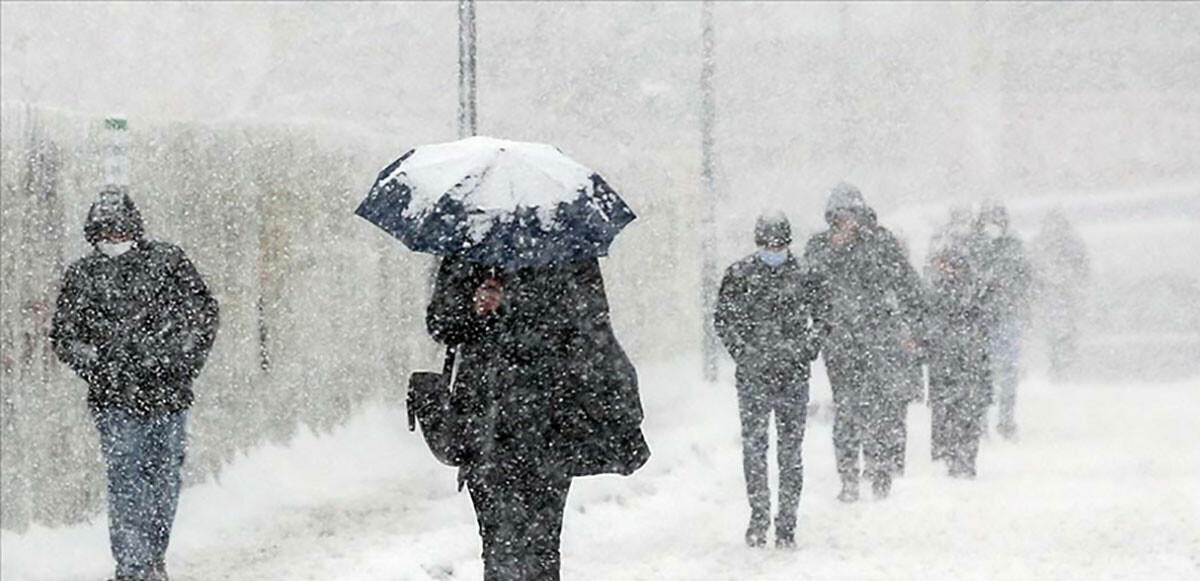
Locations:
(448, 364)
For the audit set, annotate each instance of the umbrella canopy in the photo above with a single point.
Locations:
(503, 203)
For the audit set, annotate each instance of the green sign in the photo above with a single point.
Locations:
(118, 123)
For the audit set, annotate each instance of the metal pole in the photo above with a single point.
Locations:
(466, 68)
(709, 187)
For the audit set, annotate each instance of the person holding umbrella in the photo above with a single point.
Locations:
(543, 392)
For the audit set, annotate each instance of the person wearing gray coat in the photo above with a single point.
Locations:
(873, 305)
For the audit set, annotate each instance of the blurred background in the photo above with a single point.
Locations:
(254, 129)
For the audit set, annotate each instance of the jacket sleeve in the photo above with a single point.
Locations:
(815, 287)
(449, 317)
(195, 316)
(907, 284)
(729, 318)
(819, 292)
(69, 336)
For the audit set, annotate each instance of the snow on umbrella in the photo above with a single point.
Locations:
(503, 203)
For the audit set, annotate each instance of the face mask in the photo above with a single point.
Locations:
(114, 249)
(993, 231)
(772, 257)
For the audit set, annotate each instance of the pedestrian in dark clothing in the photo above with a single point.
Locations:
(909, 376)
(956, 346)
(1007, 276)
(764, 317)
(874, 301)
(543, 393)
(135, 321)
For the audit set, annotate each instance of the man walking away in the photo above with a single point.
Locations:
(764, 316)
(135, 321)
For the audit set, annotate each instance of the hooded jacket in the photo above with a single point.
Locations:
(136, 327)
(873, 293)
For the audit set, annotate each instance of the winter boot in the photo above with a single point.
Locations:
(1007, 431)
(849, 491)
(881, 485)
(158, 572)
(756, 532)
(784, 539)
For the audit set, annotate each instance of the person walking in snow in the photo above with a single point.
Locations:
(956, 344)
(1007, 275)
(543, 393)
(874, 303)
(1061, 271)
(135, 320)
(764, 316)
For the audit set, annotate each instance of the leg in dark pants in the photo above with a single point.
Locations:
(754, 409)
(144, 458)
(1003, 355)
(940, 423)
(966, 419)
(883, 444)
(790, 420)
(848, 420)
(520, 524)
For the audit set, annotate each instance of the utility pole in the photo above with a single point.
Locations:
(466, 68)
(708, 246)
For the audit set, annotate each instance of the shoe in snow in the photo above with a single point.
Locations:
(881, 486)
(849, 492)
(756, 532)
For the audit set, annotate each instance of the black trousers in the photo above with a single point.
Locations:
(958, 419)
(520, 524)
(868, 421)
(786, 395)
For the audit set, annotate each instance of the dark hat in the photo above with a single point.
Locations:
(772, 228)
(846, 198)
(112, 214)
(994, 213)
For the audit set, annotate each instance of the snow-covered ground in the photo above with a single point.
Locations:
(1105, 484)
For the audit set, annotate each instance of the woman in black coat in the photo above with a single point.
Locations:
(543, 393)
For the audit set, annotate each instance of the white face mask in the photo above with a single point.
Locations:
(772, 257)
(114, 249)
(993, 231)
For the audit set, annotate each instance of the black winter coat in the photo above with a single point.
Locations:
(874, 295)
(956, 330)
(764, 315)
(136, 327)
(543, 389)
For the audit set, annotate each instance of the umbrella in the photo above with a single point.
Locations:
(502, 203)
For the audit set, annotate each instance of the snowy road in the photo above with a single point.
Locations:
(1105, 484)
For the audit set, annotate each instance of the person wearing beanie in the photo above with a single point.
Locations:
(765, 318)
(135, 320)
(873, 304)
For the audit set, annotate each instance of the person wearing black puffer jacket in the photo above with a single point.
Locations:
(764, 316)
(135, 320)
